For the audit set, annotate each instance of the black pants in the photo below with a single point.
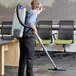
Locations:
(27, 46)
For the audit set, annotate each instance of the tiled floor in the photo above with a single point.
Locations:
(42, 64)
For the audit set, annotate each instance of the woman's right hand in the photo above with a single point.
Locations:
(34, 29)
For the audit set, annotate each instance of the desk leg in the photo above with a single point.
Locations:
(1, 60)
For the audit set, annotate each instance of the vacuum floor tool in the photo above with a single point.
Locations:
(55, 67)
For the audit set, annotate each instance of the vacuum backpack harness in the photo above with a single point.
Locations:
(18, 28)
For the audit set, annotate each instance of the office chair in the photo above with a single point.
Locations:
(65, 33)
(6, 30)
(45, 32)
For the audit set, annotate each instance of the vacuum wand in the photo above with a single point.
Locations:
(55, 67)
(46, 51)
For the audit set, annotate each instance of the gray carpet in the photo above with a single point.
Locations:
(42, 64)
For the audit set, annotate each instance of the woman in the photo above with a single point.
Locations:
(27, 42)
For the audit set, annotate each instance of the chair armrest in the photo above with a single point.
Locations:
(73, 39)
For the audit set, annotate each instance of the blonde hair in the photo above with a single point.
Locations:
(35, 4)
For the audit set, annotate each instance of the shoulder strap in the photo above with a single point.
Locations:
(25, 22)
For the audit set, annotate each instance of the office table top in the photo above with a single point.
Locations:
(4, 42)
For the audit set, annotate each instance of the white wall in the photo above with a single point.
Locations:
(55, 10)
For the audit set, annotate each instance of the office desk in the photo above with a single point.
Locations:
(7, 54)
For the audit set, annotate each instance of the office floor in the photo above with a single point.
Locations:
(42, 64)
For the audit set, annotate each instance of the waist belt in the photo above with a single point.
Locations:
(28, 36)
